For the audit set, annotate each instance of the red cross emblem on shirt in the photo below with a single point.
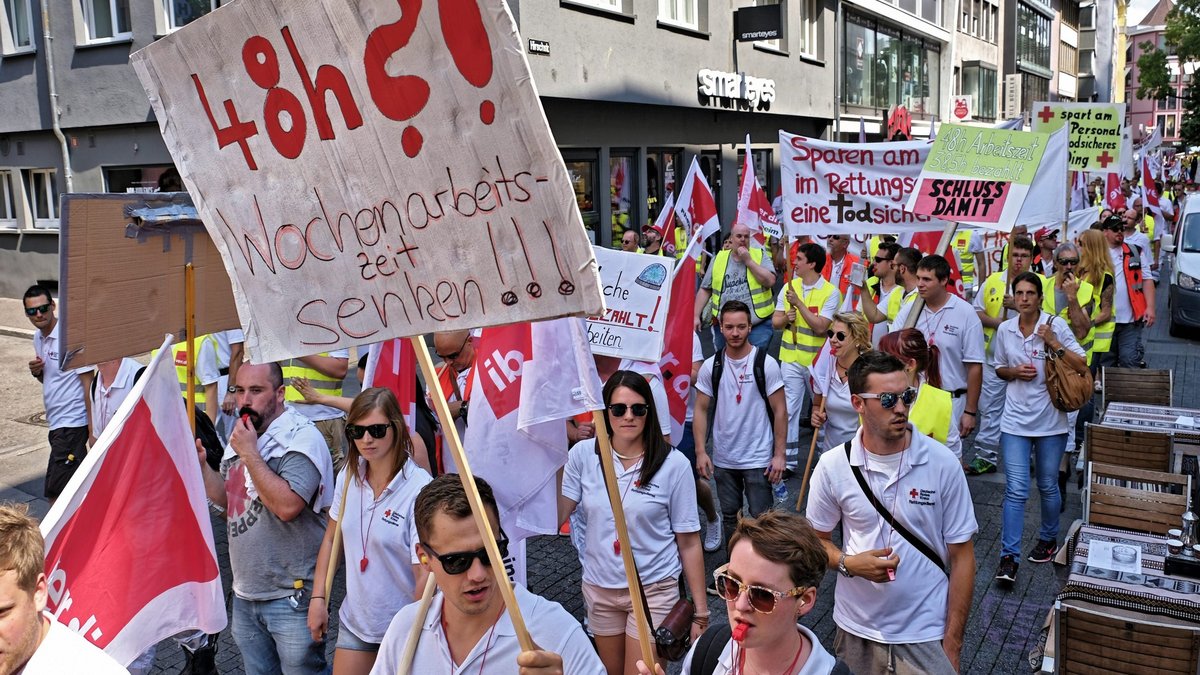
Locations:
(913, 493)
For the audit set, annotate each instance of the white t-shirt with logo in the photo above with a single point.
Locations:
(742, 436)
(957, 332)
(1027, 409)
(64, 651)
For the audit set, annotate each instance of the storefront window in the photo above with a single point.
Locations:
(887, 67)
(582, 173)
(661, 179)
(860, 62)
(622, 190)
(980, 82)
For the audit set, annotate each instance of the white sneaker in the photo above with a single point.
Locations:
(713, 535)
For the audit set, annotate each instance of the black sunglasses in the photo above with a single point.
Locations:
(40, 309)
(356, 431)
(1067, 261)
(762, 600)
(888, 398)
(457, 563)
(881, 259)
(840, 335)
(619, 409)
(451, 357)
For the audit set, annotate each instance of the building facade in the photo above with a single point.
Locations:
(1165, 113)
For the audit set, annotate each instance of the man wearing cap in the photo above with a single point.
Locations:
(653, 240)
(1046, 239)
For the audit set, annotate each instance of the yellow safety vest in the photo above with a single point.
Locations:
(931, 413)
(966, 261)
(1149, 218)
(760, 296)
(1102, 334)
(1084, 295)
(893, 300)
(993, 290)
(179, 357)
(801, 344)
(318, 380)
(900, 298)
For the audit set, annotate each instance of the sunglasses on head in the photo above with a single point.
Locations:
(1067, 261)
(457, 563)
(356, 431)
(888, 398)
(762, 600)
(840, 335)
(619, 409)
(40, 309)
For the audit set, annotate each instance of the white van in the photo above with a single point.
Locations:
(1184, 298)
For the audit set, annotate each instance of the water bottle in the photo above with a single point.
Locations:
(780, 490)
(297, 598)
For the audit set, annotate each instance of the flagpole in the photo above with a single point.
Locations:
(812, 448)
(918, 302)
(434, 385)
(189, 330)
(614, 498)
(418, 624)
(337, 539)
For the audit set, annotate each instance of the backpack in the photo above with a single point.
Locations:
(760, 379)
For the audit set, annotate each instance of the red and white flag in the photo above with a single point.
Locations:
(528, 380)
(129, 545)
(754, 210)
(393, 364)
(1149, 186)
(1079, 191)
(1113, 194)
(676, 362)
(927, 243)
(696, 208)
(665, 225)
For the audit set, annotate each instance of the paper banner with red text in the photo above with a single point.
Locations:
(636, 293)
(370, 169)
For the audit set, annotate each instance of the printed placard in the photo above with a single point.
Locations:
(1094, 132)
(636, 295)
(371, 169)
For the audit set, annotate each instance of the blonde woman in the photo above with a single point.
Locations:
(849, 337)
(1095, 267)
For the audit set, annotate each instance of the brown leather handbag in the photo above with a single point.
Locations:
(1069, 389)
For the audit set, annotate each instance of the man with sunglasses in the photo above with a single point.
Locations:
(1046, 239)
(456, 349)
(882, 287)
(467, 627)
(62, 393)
(906, 515)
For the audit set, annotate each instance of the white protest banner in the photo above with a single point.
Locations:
(636, 288)
(1095, 132)
(850, 188)
(987, 177)
(370, 169)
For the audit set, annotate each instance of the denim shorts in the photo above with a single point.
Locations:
(346, 639)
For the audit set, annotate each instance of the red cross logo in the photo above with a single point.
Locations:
(1105, 159)
(1046, 115)
(913, 493)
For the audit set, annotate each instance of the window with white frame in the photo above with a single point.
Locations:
(810, 27)
(780, 42)
(106, 19)
(8, 207)
(18, 26)
(182, 12)
(679, 12)
(42, 191)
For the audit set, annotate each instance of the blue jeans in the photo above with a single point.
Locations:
(732, 484)
(1048, 452)
(760, 335)
(274, 638)
(1127, 350)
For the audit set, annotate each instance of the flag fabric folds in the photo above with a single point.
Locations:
(696, 208)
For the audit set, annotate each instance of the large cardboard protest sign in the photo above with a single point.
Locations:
(850, 188)
(984, 176)
(636, 288)
(1094, 132)
(370, 169)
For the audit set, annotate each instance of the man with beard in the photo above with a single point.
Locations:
(275, 482)
(896, 605)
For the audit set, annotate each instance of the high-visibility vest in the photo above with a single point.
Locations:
(932, 412)
(1103, 335)
(1085, 296)
(760, 296)
(179, 357)
(317, 379)
(843, 281)
(994, 288)
(966, 261)
(801, 343)
(1149, 219)
(1131, 267)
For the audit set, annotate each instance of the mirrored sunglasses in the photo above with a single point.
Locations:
(888, 398)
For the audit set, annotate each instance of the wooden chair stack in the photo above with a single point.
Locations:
(1091, 642)
(1123, 447)
(1135, 385)
(1135, 499)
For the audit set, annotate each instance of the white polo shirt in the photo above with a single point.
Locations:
(931, 498)
(106, 399)
(742, 437)
(819, 661)
(387, 526)
(62, 392)
(550, 626)
(957, 332)
(1027, 408)
(655, 513)
(841, 422)
(65, 651)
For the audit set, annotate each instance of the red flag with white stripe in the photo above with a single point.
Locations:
(696, 208)
(676, 362)
(1114, 196)
(927, 243)
(393, 364)
(130, 558)
(754, 210)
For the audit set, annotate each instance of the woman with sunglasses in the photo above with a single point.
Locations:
(378, 532)
(1030, 422)
(932, 411)
(775, 564)
(849, 336)
(658, 495)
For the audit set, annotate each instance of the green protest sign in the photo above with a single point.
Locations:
(1094, 132)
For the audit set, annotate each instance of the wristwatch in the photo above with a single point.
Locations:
(842, 569)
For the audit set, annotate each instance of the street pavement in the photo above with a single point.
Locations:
(1004, 624)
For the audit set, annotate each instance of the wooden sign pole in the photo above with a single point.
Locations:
(189, 330)
(337, 538)
(434, 385)
(812, 448)
(418, 624)
(614, 498)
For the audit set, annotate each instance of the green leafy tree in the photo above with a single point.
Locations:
(1154, 79)
(1182, 35)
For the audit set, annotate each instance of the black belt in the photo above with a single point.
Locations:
(958, 393)
(224, 371)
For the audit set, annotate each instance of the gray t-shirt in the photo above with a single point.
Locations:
(737, 285)
(266, 554)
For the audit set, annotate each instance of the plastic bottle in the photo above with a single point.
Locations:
(297, 599)
(780, 490)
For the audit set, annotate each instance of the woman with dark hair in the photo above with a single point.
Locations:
(932, 413)
(658, 495)
(1031, 423)
(375, 510)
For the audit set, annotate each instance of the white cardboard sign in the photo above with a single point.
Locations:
(636, 296)
(370, 169)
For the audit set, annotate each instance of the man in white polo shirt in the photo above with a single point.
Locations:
(62, 393)
(896, 606)
(949, 323)
(467, 626)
